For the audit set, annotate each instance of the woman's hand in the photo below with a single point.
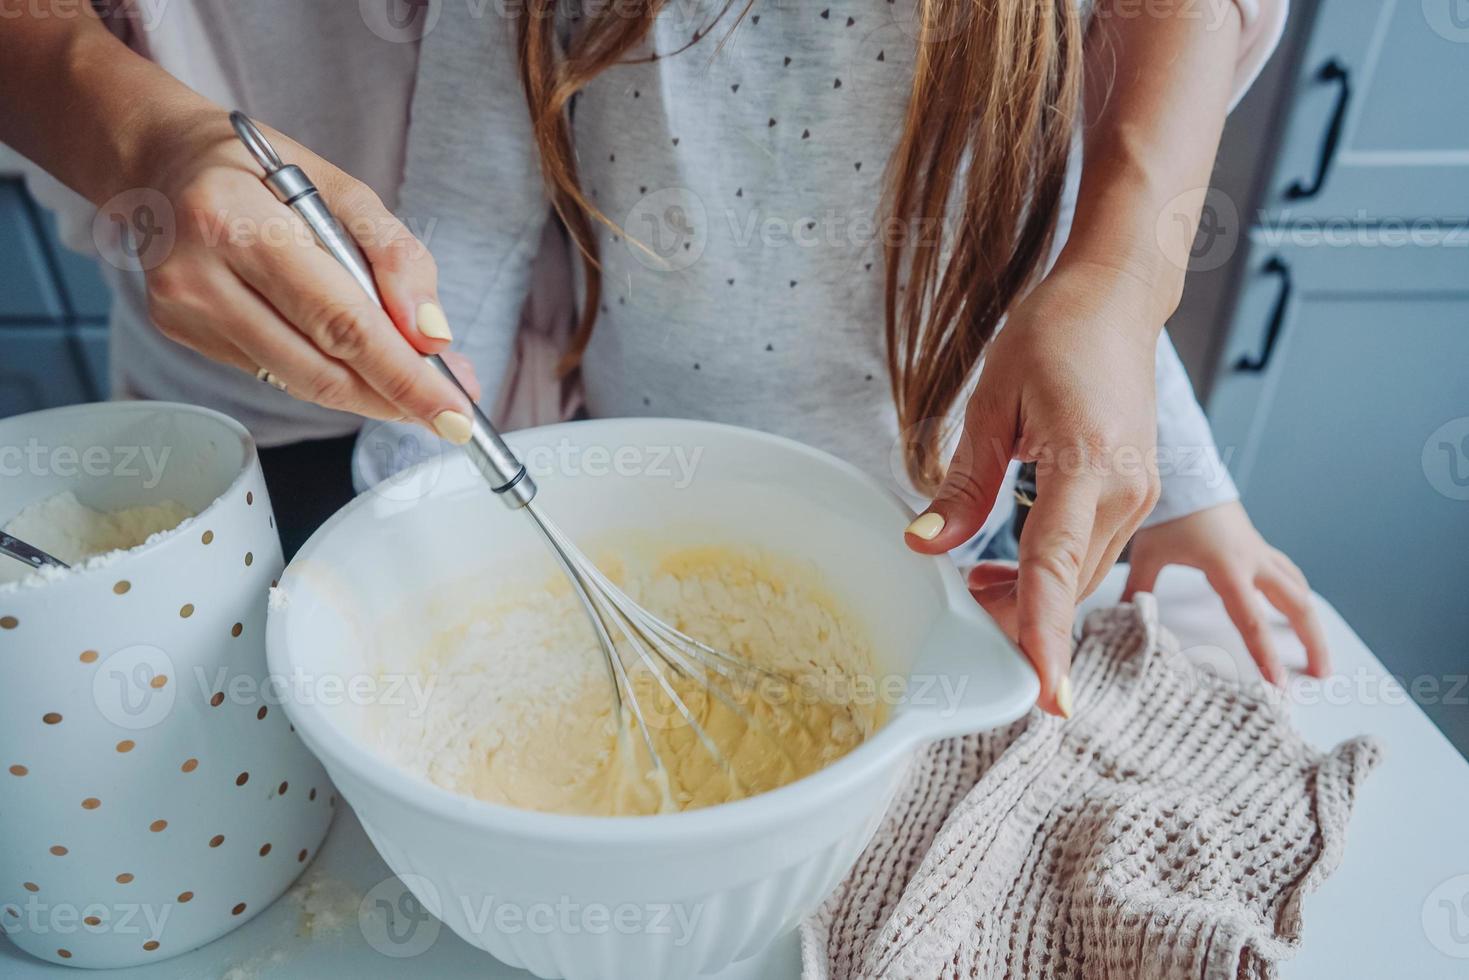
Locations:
(1065, 387)
(1241, 566)
(241, 279)
(245, 283)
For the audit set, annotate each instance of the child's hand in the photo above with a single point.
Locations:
(1221, 542)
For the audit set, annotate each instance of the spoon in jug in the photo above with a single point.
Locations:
(21, 551)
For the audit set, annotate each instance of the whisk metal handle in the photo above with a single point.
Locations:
(505, 473)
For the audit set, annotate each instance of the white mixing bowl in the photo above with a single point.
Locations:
(652, 897)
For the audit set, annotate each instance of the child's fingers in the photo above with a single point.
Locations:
(1243, 607)
(1295, 602)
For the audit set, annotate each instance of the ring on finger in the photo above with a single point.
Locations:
(263, 374)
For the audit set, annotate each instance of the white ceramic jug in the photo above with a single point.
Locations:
(153, 795)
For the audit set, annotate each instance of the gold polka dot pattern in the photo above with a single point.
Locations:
(71, 749)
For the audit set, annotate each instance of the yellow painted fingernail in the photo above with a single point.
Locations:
(453, 426)
(1063, 696)
(433, 323)
(926, 526)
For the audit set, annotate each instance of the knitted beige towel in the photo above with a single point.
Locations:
(1170, 829)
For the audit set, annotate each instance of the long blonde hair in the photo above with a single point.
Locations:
(995, 95)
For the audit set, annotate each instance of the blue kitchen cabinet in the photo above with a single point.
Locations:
(42, 366)
(29, 290)
(1340, 392)
(1342, 407)
(53, 313)
(94, 339)
(86, 294)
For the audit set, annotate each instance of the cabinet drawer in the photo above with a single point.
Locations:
(40, 367)
(1377, 127)
(27, 287)
(86, 292)
(94, 338)
(1290, 277)
(1342, 407)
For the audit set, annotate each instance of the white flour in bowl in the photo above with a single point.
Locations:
(518, 709)
(65, 528)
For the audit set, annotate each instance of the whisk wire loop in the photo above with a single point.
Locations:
(606, 604)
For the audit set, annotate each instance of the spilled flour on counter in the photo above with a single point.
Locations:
(69, 530)
(325, 905)
(262, 964)
(521, 709)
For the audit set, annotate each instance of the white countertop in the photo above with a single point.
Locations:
(1397, 907)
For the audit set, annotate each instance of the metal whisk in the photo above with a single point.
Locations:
(656, 645)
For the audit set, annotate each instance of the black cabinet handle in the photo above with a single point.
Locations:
(1332, 71)
(1274, 266)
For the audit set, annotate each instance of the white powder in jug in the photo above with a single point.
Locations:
(65, 528)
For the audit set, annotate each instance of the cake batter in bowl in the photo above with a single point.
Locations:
(369, 639)
(516, 704)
